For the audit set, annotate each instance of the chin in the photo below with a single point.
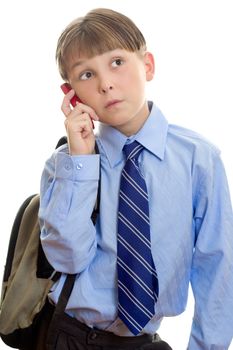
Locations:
(115, 122)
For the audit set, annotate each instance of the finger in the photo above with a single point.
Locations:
(85, 118)
(82, 129)
(82, 108)
(65, 107)
(86, 124)
(88, 120)
(91, 113)
(77, 123)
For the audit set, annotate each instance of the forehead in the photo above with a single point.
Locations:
(75, 61)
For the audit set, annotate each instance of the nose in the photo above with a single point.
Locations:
(105, 84)
(106, 88)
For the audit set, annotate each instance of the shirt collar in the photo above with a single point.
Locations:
(152, 136)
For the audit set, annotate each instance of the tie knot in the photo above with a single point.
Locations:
(132, 150)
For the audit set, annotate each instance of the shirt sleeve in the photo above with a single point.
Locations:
(212, 269)
(68, 194)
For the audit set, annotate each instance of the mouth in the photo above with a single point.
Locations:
(112, 103)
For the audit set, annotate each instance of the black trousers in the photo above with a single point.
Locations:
(67, 333)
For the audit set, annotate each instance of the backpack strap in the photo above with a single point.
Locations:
(65, 294)
(58, 311)
(61, 141)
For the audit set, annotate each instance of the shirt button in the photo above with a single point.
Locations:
(67, 167)
(79, 166)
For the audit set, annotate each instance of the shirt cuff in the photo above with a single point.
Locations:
(77, 168)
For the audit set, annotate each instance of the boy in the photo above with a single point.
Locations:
(165, 210)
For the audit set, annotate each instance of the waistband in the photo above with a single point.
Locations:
(95, 336)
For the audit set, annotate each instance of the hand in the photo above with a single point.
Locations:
(79, 126)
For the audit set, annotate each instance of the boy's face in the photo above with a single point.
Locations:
(113, 84)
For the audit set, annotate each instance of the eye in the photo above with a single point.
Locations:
(117, 62)
(85, 76)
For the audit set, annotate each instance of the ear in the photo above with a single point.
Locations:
(149, 65)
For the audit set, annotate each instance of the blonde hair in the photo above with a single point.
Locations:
(101, 30)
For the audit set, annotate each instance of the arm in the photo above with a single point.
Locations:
(212, 270)
(68, 194)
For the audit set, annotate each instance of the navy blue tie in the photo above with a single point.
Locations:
(137, 277)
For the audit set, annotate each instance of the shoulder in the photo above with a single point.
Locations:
(191, 141)
(200, 156)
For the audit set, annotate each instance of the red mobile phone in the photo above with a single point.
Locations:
(66, 87)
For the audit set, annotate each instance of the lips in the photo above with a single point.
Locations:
(112, 103)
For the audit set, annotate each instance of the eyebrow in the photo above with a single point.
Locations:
(78, 63)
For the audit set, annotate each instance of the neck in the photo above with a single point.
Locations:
(136, 123)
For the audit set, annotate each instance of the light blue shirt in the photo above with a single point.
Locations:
(191, 228)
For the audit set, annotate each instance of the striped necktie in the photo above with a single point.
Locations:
(137, 277)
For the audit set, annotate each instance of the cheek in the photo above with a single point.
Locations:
(136, 84)
(131, 84)
(136, 78)
(86, 93)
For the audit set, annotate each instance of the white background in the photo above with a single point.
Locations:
(193, 85)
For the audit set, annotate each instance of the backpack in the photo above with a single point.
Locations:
(28, 276)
